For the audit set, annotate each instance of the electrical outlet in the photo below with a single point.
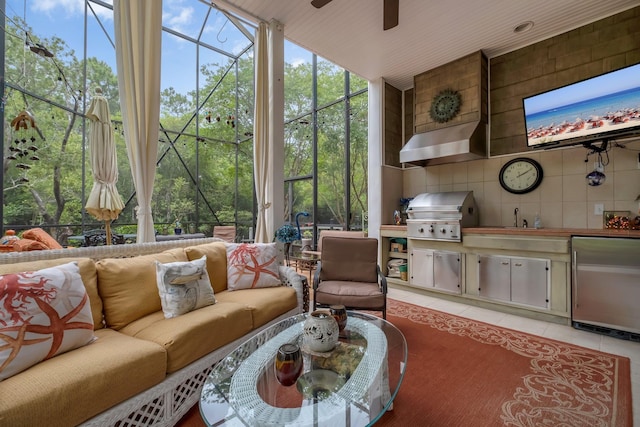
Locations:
(598, 209)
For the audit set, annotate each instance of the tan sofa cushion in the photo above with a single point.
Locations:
(75, 386)
(87, 272)
(216, 253)
(128, 286)
(265, 303)
(190, 336)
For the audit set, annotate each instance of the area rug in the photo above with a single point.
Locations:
(462, 372)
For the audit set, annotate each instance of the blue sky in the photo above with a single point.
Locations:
(65, 19)
(620, 80)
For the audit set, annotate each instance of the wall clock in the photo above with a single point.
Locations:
(520, 175)
(445, 106)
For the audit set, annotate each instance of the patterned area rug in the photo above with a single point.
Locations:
(461, 372)
(464, 372)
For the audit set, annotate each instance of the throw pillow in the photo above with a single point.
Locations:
(23, 245)
(252, 265)
(184, 286)
(39, 235)
(42, 314)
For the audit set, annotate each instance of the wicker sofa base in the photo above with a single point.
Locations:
(166, 403)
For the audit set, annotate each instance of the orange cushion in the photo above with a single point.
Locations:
(39, 235)
(22, 245)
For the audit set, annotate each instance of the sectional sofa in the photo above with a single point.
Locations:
(140, 368)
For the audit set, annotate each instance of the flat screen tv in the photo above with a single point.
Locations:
(602, 108)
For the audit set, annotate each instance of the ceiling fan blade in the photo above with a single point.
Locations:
(319, 3)
(391, 11)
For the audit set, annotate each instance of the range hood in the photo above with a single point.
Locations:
(458, 143)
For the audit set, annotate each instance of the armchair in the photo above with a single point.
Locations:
(332, 233)
(225, 232)
(348, 274)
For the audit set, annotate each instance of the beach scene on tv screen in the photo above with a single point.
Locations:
(605, 104)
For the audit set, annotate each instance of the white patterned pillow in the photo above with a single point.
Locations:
(42, 314)
(184, 286)
(252, 265)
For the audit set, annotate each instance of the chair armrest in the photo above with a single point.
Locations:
(314, 253)
(316, 276)
(383, 281)
(289, 277)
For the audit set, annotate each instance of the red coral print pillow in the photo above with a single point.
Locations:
(42, 314)
(252, 265)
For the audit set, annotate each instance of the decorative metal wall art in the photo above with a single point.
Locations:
(445, 106)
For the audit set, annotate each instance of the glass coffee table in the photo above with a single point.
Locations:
(353, 385)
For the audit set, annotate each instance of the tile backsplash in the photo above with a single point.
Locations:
(563, 199)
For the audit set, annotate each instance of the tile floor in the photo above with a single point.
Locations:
(537, 327)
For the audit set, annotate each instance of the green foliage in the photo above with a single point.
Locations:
(220, 161)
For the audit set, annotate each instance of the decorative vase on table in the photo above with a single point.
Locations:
(288, 364)
(339, 312)
(287, 234)
(397, 217)
(321, 331)
(305, 244)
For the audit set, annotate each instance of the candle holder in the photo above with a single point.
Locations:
(288, 364)
(339, 312)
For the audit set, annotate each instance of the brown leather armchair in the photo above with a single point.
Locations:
(348, 274)
(333, 233)
(225, 232)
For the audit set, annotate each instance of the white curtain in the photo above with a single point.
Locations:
(261, 150)
(138, 34)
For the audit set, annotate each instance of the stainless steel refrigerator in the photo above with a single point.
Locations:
(606, 285)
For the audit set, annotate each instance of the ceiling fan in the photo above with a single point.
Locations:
(390, 11)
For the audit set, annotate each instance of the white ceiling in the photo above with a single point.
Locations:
(430, 33)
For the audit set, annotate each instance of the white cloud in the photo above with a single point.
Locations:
(179, 21)
(69, 8)
(178, 16)
(297, 61)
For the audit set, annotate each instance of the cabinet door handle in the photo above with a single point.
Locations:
(517, 264)
(505, 263)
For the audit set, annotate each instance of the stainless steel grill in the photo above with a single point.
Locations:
(441, 216)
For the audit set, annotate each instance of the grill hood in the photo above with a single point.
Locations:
(458, 143)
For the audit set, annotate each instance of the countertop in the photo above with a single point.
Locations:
(547, 232)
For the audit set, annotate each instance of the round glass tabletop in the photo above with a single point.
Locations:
(354, 384)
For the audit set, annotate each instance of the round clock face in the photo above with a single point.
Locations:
(520, 175)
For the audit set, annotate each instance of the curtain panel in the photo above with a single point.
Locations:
(138, 34)
(261, 132)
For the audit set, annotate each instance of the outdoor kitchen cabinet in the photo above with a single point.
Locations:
(514, 279)
(519, 293)
(387, 235)
(435, 269)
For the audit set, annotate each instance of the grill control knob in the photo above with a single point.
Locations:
(431, 229)
(420, 230)
(443, 230)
